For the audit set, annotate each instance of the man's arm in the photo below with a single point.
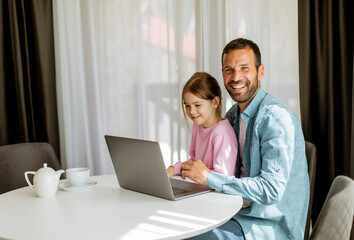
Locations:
(276, 137)
(276, 150)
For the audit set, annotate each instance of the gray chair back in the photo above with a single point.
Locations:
(311, 156)
(16, 159)
(336, 217)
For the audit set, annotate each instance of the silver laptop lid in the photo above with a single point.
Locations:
(139, 166)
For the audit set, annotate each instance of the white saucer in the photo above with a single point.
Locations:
(65, 185)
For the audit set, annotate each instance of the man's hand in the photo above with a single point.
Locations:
(195, 170)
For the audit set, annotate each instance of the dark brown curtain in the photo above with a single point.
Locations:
(28, 107)
(326, 88)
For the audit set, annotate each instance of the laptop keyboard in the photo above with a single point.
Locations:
(179, 191)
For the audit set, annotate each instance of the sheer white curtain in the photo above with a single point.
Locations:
(121, 65)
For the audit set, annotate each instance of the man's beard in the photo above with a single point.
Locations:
(239, 97)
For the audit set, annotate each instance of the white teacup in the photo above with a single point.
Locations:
(77, 176)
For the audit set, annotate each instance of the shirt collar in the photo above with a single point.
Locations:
(254, 104)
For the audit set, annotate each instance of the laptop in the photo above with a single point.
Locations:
(140, 167)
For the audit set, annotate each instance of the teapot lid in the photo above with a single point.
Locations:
(45, 168)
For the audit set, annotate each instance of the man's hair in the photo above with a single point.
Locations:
(241, 43)
(204, 86)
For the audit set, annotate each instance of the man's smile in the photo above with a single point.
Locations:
(238, 87)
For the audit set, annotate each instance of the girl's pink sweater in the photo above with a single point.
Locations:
(216, 146)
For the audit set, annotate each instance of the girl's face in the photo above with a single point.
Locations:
(201, 111)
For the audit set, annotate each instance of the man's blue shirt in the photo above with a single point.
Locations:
(275, 167)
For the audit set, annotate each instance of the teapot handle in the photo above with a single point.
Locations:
(27, 180)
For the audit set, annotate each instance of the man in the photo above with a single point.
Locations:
(271, 169)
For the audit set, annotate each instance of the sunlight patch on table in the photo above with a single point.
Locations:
(179, 215)
(175, 222)
(165, 223)
(149, 231)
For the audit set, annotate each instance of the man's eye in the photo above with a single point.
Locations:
(244, 68)
(228, 70)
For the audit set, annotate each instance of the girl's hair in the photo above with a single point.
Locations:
(204, 86)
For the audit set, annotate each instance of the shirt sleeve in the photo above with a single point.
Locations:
(276, 136)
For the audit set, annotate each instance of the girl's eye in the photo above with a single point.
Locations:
(198, 105)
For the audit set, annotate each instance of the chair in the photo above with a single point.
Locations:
(311, 156)
(336, 217)
(16, 159)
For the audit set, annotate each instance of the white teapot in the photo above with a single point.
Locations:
(45, 181)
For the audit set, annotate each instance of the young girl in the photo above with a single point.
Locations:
(213, 139)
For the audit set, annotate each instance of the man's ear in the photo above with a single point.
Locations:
(260, 72)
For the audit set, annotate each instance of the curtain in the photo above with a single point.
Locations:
(326, 87)
(121, 66)
(28, 107)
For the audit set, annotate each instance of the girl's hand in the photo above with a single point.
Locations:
(195, 170)
(170, 171)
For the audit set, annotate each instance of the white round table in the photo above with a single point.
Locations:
(108, 212)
